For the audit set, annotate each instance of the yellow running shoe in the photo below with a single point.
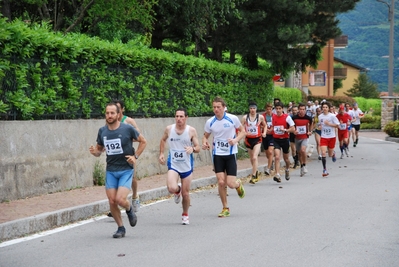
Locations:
(240, 189)
(224, 213)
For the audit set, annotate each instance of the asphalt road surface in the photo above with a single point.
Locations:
(350, 218)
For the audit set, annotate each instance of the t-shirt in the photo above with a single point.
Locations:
(343, 121)
(118, 144)
(355, 114)
(223, 130)
(302, 126)
(326, 130)
(278, 122)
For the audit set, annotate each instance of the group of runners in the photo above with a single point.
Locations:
(277, 130)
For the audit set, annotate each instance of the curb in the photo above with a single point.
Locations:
(46, 221)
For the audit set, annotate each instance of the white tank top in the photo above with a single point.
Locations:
(178, 159)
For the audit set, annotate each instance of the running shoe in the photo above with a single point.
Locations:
(136, 204)
(319, 158)
(334, 158)
(109, 214)
(325, 173)
(354, 144)
(342, 155)
(240, 189)
(185, 220)
(277, 178)
(305, 171)
(253, 179)
(287, 175)
(177, 197)
(301, 172)
(120, 232)
(224, 213)
(346, 151)
(267, 171)
(132, 217)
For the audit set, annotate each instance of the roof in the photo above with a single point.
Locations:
(349, 64)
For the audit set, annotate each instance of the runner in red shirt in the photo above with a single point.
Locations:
(282, 126)
(343, 135)
(303, 129)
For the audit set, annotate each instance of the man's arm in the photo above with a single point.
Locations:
(142, 144)
(205, 144)
(96, 150)
(162, 145)
(194, 139)
(132, 122)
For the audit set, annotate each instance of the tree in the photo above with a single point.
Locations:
(363, 87)
(83, 16)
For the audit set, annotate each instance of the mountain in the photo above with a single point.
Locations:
(367, 27)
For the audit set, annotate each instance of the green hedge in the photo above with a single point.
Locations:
(392, 128)
(287, 95)
(365, 104)
(48, 75)
(371, 122)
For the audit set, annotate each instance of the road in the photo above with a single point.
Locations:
(350, 218)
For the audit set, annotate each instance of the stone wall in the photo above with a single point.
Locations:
(40, 157)
(387, 108)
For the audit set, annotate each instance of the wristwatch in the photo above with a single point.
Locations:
(136, 156)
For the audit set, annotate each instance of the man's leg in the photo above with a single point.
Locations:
(221, 177)
(277, 154)
(286, 157)
(185, 191)
(173, 186)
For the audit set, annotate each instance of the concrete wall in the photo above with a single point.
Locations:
(40, 157)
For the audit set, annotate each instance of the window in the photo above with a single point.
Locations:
(317, 78)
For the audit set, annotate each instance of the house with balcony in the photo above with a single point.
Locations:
(320, 80)
(349, 72)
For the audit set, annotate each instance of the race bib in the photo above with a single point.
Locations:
(178, 155)
(113, 146)
(277, 130)
(221, 146)
(301, 129)
(327, 132)
(252, 130)
(342, 126)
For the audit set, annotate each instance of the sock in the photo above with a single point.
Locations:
(342, 149)
(178, 190)
(184, 214)
(323, 160)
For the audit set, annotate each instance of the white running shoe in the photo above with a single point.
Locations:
(177, 198)
(342, 155)
(347, 152)
(136, 204)
(305, 171)
(185, 220)
(267, 171)
(301, 173)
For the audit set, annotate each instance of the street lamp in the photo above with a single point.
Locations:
(391, 15)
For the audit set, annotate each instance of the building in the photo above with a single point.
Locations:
(320, 80)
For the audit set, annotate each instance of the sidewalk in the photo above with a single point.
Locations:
(31, 215)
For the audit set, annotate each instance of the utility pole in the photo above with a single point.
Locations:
(391, 16)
